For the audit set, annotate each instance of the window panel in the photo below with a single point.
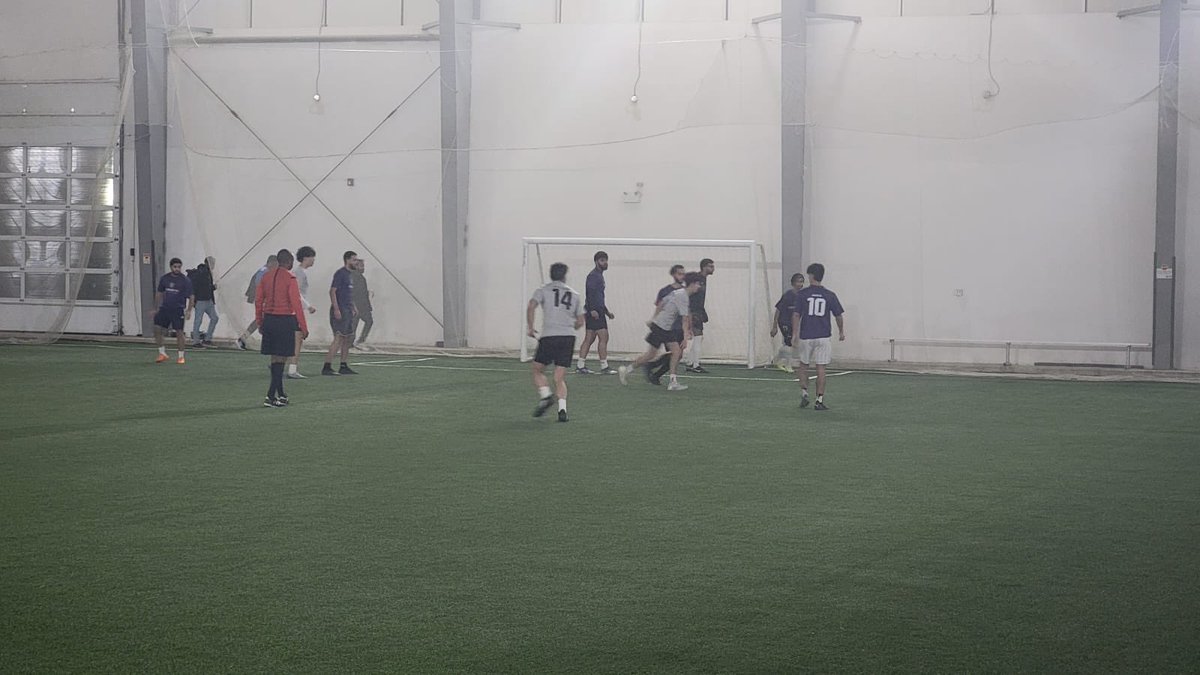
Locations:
(12, 159)
(48, 160)
(96, 287)
(12, 190)
(90, 160)
(10, 284)
(46, 191)
(12, 253)
(12, 222)
(46, 223)
(83, 191)
(46, 286)
(99, 258)
(104, 224)
(46, 254)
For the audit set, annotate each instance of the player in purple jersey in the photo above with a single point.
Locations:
(783, 323)
(175, 301)
(812, 326)
(596, 316)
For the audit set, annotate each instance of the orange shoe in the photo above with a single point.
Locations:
(161, 358)
(180, 361)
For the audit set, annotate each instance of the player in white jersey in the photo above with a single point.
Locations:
(663, 332)
(305, 257)
(562, 317)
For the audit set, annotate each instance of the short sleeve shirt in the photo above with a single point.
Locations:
(674, 308)
(343, 286)
(816, 306)
(175, 289)
(561, 307)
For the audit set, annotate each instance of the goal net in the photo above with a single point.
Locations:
(738, 299)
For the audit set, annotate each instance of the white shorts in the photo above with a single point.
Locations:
(817, 352)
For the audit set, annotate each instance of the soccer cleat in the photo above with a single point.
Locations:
(542, 406)
(345, 370)
(296, 376)
(241, 344)
(283, 399)
(208, 343)
(180, 361)
(655, 380)
(562, 415)
(608, 371)
(328, 370)
(198, 344)
(623, 374)
(697, 369)
(160, 358)
(820, 405)
(269, 402)
(804, 401)
(675, 386)
(584, 371)
(784, 368)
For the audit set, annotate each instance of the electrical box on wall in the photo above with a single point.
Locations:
(634, 197)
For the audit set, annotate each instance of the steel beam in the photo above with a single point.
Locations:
(454, 18)
(147, 25)
(1167, 205)
(794, 74)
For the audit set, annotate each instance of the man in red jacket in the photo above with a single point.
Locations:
(280, 315)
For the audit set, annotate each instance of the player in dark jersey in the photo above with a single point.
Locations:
(783, 323)
(812, 326)
(341, 316)
(175, 302)
(663, 364)
(596, 315)
(699, 317)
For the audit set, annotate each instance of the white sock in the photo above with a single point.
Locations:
(292, 369)
(697, 343)
(603, 364)
(674, 379)
(582, 363)
(543, 392)
(803, 392)
(562, 404)
(162, 350)
(181, 353)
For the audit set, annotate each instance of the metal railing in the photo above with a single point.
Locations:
(1008, 345)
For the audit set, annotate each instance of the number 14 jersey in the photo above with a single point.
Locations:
(561, 306)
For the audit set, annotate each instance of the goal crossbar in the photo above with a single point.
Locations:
(749, 245)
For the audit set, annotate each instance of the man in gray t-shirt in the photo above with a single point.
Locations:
(562, 317)
(672, 308)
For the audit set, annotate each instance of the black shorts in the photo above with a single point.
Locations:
(279, 334)
(697, 324)
(596, 324)
(167, 317)
(556, 349)
(659, 337)
(785, 329)
(344, 325)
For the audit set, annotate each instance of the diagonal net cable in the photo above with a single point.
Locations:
(311, 191)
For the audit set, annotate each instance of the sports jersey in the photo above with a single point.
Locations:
(815, 305)
(674, 308)
(561, 307)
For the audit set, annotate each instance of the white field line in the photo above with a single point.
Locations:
(391, 364)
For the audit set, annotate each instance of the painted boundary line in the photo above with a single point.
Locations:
(397, 364)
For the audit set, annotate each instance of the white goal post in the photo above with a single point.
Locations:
(738, 262)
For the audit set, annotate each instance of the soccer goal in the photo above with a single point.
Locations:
(738, 301)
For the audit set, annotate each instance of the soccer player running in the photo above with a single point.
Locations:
(175, 302)
(562, 316)
(663, 332)
(699, 317)
(362, 303)
(663, 364)
(251, 294)
(305, 257)
(783, 323)
(280, 315)
(597, 316)
(206, 305)
(811, 324)
(341, 315)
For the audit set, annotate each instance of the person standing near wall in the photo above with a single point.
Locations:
(305, 257)
(175, 302)
(699, 317)
(596, 316)
(280, 314)
(205, 290)
(362, 303)
(251, 293)
(341, 316)
(783, 323)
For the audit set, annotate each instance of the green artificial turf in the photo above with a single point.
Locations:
(415, 518)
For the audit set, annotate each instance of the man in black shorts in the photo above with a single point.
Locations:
(175, 302)
(699, 317)
(664, 334)
(562, 316)
(341, 315)
(596, 317)
(279, 312)
(783, 323)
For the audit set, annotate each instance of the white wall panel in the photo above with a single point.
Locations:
(420, 12)
(862, 8)
(364, 13)
(600, 11)
(1039, 6)
(58, 39)
(288, 13)
(216, 14)
(945, 7)
(1115, 5)
(519, 11)
(694, 10)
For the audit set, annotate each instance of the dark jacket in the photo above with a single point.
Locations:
(202, 283)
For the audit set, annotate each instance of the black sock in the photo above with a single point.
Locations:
(271, 390)
(276, 380)
(662, 365)
(344, 365)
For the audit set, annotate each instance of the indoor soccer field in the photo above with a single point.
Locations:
(416, 518)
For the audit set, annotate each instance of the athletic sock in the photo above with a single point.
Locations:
(181, 353)
(820, 398)
(293, 369)
(562, 404)
(674, 378)
(162, 350)
(603, 364)
(345, 365)
(582, 364)
(803, 392)
(543, 392)
(275, 371)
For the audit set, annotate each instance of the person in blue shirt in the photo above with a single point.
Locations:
(175, 302)
(783, 323)
(251, 293)
(596, 316)
(811, 323)
(341, 315)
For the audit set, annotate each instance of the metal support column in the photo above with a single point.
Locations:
(1168, 186)
(454, 25)
(794, 73)
(149, 38)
